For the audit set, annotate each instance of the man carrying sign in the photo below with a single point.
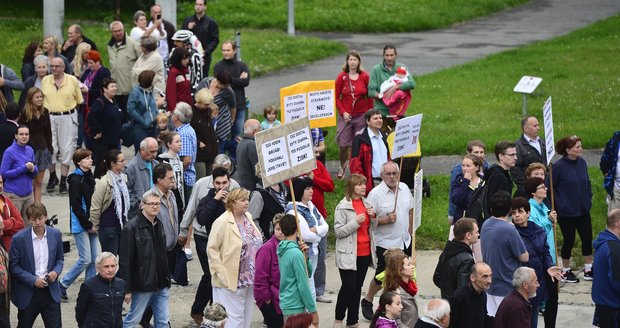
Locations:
(370, 150)
(392, 228)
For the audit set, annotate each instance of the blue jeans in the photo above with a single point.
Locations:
(87, 245)
(319, 275)
(110, 239)
(237, 128)
(228, 145)
(158, 300)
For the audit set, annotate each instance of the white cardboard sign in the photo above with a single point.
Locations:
(417, 199)
(548, 122)
(406, 136)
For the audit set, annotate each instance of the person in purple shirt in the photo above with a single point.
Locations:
(18, 169)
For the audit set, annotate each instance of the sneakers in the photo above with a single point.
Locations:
(367, 311)
(63, 293)
(588, 275)
(569, 276)
(322, 299)
(52, 182)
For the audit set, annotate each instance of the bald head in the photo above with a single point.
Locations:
(148, 149)
(481, 276)
(251, 127)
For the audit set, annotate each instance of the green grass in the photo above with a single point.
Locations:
(263, 50)
(476, 101)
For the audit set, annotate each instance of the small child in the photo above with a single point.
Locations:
(389, 310)
(215, 316)
(271, 117)
(162, 125)
(399, 101)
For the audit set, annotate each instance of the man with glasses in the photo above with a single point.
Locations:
(61, 96)
(139, 173)
(497, 176)
(369, 150)
(143, 263)
(393, 224)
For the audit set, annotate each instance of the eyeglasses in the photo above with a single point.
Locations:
(153, 204)
(542, 187)
(56, 66)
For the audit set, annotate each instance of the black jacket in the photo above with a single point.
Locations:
(468, 308)
(100, 303)
(453, 267)
(496, 179)
(105, 117)
(209, 209)
(235, 68)
(526, 155)
(81, 189)
(143, 261)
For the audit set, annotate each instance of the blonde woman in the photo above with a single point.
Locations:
(233, 243)
(205, 110)
(79, 63)
(51, 47)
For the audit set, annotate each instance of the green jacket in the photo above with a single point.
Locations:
(378, 75)
(295, 295)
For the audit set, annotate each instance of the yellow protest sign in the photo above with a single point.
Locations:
(313, 99)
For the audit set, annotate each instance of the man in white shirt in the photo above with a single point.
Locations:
(393, 224)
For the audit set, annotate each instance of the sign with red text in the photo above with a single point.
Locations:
(406, 135)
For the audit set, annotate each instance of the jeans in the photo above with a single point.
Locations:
(87, 245)
(237, 128)
(41, 303)
(110, 239)
(158, 300)
(271, 318)
(204, 293)
(319, 276)
(228, 145)
(314, 259)
(351, 291)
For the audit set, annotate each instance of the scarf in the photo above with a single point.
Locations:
(121, 196)
(410, 287)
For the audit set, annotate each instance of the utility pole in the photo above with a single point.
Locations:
(53, 18)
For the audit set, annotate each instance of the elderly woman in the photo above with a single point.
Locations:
(41, 67)
(110, 202)
(37, 119)
(100, 301)
(541, 216)
(205, 110)
(92, 86)
(352, 102)
(19, 169)
(573, 200)
(141, 30)
(149, 60)
(81, 188)
(224, 98)
(540, 260)
(104, 122)
(233, 243)
(354, 247)
(311, 223)
(142, 109)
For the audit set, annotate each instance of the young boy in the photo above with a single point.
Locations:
(295, 295)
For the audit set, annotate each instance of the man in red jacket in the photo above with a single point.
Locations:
(370, 150)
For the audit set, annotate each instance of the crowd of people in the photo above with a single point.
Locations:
(265, 246)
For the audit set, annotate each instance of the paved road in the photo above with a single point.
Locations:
(427, 52)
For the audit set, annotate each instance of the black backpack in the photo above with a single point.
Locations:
(477, 208)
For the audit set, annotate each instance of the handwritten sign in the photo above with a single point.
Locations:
(406, 136)
(314, 99)
(285, 151)
(417, 199)
(548, 122)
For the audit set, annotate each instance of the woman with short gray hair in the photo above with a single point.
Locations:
(150, 60)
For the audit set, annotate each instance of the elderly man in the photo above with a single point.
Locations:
(437, 315)
(247, 157)
(206, 29)
(393, 224)
(455, 262)
(181, 118)
(370, 150)
(515, 310)
(240, 80)
(202, 188)
(502, 249)
(75, 37)
(606, 287)
(379, 74)
(468, 305)
(139, 173)
(144, 265)
(530, 149)
(123, 52)
(9, 81)
(61, 96)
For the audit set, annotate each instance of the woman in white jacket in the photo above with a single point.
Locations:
(311, 223)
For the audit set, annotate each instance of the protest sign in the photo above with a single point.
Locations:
(285, 151)
(406, 136)
(548, 122)
(313, 99)
(417, 199)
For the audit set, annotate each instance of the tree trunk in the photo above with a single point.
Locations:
(53, 18)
